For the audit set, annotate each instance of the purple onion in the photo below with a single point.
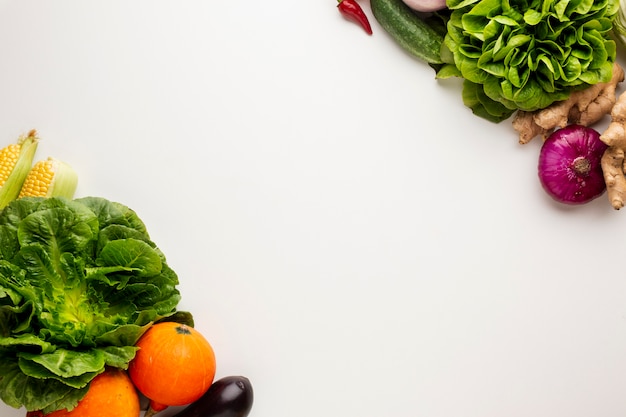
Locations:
(569, 165)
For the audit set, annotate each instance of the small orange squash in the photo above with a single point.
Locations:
(111, 393)
(175, 365)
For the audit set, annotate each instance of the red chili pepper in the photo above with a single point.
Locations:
(350, 9)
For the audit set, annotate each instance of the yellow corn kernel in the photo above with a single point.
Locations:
(8, 158)
(50, 178)
(15, 161)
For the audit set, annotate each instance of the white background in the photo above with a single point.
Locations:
(346, 233)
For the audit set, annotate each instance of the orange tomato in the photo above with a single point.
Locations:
(175, 364)
(110, 394)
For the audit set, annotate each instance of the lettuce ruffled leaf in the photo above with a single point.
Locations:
(527, 54)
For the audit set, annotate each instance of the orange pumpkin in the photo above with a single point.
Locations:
(175, 364)
(110, 394)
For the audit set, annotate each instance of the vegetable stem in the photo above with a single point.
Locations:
(581, 166)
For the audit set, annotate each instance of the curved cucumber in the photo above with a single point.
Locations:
(411, 32)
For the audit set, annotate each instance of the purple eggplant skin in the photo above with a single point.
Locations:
(231, 396)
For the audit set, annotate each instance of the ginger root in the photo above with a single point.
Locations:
(613, 168)
(525, 125)
(613, 164)
(583, 107)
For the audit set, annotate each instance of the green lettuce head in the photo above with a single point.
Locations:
(527, 54)
(80, 282)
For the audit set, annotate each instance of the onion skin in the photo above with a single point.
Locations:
(426, 5)
(569, 165)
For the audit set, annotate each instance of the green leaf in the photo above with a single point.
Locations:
(119, 356)
(18, 389)
(182, 317)
(482, 106)
(448, 71)
(532, 17)
(132, 255)
(56, 230)
(125, 335)
(64, 363)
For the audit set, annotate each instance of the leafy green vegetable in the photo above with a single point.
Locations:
(527, 54)
(80, 282)
(619, 24)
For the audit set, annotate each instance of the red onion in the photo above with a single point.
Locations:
(569, 165)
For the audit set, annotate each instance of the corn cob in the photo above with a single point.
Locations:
(50, 178)
(15, 162)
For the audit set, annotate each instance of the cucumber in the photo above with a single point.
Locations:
(409, 30)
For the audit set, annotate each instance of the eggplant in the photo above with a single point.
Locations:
(231, 396)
